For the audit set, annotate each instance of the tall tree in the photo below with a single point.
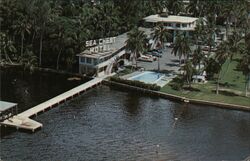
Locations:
(161, 35)
(43, 18)
(222, 54)
(195, 7)
(136, 43)
(210, 31)
(7, 47)
(227, 12)
(198, 56)
(22, 26)
(175, 6)
(188, 70)
(244, 65)
(181, 47)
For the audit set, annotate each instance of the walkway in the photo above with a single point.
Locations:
(23, 121)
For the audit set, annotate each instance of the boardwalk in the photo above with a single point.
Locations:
(23, 121)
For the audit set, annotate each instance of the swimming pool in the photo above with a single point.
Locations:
(148, 77)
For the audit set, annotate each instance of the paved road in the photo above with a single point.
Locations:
(168, 62)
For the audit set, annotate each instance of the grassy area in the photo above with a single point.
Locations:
(232, 78)
(232, 81)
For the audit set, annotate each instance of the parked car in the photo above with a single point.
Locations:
(146, 58)
(154, 53)
(157, 50)
(170, 45)
(206, 48)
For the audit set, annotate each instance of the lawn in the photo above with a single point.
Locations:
(232, 81)
(231, 77)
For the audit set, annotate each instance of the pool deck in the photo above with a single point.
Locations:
(131, 75)
(22, 120)
(161, 82)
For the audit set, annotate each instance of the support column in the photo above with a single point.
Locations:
(174, 36)
(97, 72)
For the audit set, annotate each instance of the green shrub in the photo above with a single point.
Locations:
(177, 83)
(176, 86)
(136, 83)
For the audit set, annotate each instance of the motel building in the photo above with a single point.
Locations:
(103, 56)
(174, 24)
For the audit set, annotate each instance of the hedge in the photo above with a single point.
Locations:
(136, 83)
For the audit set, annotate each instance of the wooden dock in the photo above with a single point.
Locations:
(22, 120)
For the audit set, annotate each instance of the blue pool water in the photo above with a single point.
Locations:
(148, 77)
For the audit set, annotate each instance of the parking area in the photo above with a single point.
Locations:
(168, 63)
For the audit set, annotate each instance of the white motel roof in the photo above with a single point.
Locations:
(118, 44)
(6, 105)
(170, 19)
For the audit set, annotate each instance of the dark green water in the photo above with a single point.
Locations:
(112, 124)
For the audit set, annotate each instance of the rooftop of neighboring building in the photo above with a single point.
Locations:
(170, 19)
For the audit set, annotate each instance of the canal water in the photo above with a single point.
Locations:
(113, 124)
(29, 89)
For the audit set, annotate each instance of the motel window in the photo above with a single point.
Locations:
(184, 25)
(89, 60)
(168, 24)
(178, 25)
(82, 60)
(95, 61)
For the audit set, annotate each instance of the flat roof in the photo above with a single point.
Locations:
(6, 105)
(118, 44)
(170, 18)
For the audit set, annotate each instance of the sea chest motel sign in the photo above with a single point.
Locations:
(100, 45)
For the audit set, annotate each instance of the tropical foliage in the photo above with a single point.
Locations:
(55, 31)
(136, 43)
(161, 35)
(182, 47)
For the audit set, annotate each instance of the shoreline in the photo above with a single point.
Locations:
(180, 98)
(156, 93)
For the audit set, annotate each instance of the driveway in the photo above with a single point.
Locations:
(168, 62)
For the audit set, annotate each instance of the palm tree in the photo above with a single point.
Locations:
(244, 66)
(192, 8)
(161, 35)
(7, 47)
(175, 6)
(136, 43)
(227, 12)
(222, 54)
(188, 70)
(22, 26)
(212, 66)
(157, 6)
(181, 47)
(63, 36)
(210, 31)
(199, 32)
(243, 16)
(29, 60)
(43, 18)
(197, 57)
(107, 16)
